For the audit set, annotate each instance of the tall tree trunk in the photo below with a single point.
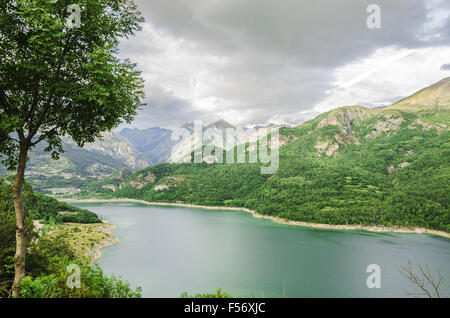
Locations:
(21, 231)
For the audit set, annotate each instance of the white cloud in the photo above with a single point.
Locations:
(259, 61)
(391, 77)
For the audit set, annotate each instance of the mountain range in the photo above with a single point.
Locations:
(77, 166)
(373, 141)
(125, 151)
(352, 165)
(213, 136)
(154, 144)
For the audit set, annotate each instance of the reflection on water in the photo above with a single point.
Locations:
(169, 250)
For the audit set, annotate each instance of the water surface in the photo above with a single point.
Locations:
(170, 250)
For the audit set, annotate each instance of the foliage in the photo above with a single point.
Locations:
(47, 256)
(42, 207)
(56, 80)
(352, 186)
(48, 208)
(94, 284)
(218, 293)
(81, 238)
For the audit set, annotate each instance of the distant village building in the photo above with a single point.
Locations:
(66, 191)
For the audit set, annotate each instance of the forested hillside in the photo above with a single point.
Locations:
(44, 208)
(77, 167)
(353, 165)
(50, 253)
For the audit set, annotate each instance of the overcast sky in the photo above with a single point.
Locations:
(282, 61)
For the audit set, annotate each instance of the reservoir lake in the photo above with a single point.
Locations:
(171, 250)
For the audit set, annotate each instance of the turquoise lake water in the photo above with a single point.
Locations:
(170, 250)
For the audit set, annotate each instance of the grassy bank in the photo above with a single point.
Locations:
(86, 240)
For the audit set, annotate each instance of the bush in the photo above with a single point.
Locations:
(219, 293)
(47, 258)
(93, 284)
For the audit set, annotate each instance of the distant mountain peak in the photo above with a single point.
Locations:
(188, 126)
(137, 130)
(221, 123)
(436, 95)
(443, 81)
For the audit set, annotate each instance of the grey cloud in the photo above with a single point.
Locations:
(164, 110)
(445, 67)
(281, 54)
(319, 32)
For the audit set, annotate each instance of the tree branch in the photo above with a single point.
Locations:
(33, 129)
(34, 104)
(4, 101)
(13, 139)
(423, 280)
(48, 133)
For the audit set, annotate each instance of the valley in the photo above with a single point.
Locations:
(224, 149)
(172, 250)
(350, 166)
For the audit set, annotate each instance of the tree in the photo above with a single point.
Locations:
(424, 283)
(61, 78)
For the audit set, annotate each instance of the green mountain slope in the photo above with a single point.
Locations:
(78, 167)
(352, 165)
(41, 207)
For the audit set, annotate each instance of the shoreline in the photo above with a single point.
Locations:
(96, 250)
(93, 253)
(374, 229)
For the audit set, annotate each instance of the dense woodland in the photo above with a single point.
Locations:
(352, 186)
(44, 208)
(48, 258)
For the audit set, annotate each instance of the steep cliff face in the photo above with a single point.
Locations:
(154, 143)
(120, 148)
(430, 104)
(214, 137)
(345, 119)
